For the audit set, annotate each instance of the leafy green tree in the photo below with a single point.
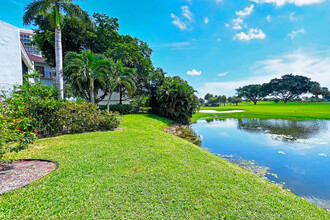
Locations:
(213, 101)
(54, 9)
(208, 96)
(223, 100)
(254, 92)
(201, 101)
(105, 33)
(230, 99)
(77, 36)
(325, 92)
(236, 100)
(157, 77)
(289, 87)
(316, 90)
(119, 76)
(157, 80)
(84, 69)
(134, 54)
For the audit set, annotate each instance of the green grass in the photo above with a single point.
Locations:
(142, 172)
(291, 110)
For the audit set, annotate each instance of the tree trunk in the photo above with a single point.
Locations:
(120, 96)
(317, 97)
(255, 102)
(224, 104)
(59, 61)
(285, 100)
(92, 91)
(108, 104)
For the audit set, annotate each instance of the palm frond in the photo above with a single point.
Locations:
(76, 12)
(36, 7)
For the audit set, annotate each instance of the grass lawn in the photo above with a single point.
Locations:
(291, 110)
(142, 172)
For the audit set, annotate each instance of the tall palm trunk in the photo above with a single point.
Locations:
(92, 91)
(120, 96)
(59, 61)
(108, 104)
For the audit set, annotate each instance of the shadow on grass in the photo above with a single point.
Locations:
(164, 120)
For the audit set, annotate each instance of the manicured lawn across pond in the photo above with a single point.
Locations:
(291, 110)
(142, 172)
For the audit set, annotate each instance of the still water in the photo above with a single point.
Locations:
(298, 152)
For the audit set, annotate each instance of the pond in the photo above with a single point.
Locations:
(297, 152)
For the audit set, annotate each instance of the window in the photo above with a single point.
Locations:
(41, 70)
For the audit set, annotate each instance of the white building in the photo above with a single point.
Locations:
(27, 37)
(15, 60)
(43, 68)
(115, 99)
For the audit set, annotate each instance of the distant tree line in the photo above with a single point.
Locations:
(287, 88)
(217, 100)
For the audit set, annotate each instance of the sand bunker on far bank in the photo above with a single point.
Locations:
(221, 112)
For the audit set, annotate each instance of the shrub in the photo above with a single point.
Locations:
(124, 109)
(15, 134)
(176, 100)
(33, 110)
(76, 117)
(37, 103)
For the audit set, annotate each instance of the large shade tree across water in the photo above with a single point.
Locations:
(54, 10)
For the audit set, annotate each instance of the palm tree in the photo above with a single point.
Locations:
(85, 69)
(54, 9)
(122, 77)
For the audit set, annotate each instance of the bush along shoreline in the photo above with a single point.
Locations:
(32, 111)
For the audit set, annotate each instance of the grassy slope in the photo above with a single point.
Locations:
(142, 172)
(272, 110)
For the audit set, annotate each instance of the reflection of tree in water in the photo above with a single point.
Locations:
(209, 120)
(287, 130)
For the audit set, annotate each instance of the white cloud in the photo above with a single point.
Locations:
(194, 72)
(177, 22)
(269, 18)
(186, 12)
(185, 45)
(280, 3)
(187, 18)
(218, 40)
(206, 20)
(253, 33)
(227, 25)
(238, 23)
(293, 34)
(315, 65)
(218, 1)
(222, 74)
(245, 12)
(292, 17)
(17, 3)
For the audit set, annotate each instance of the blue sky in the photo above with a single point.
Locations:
(219, 45)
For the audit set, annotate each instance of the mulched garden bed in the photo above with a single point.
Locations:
(22, 173)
